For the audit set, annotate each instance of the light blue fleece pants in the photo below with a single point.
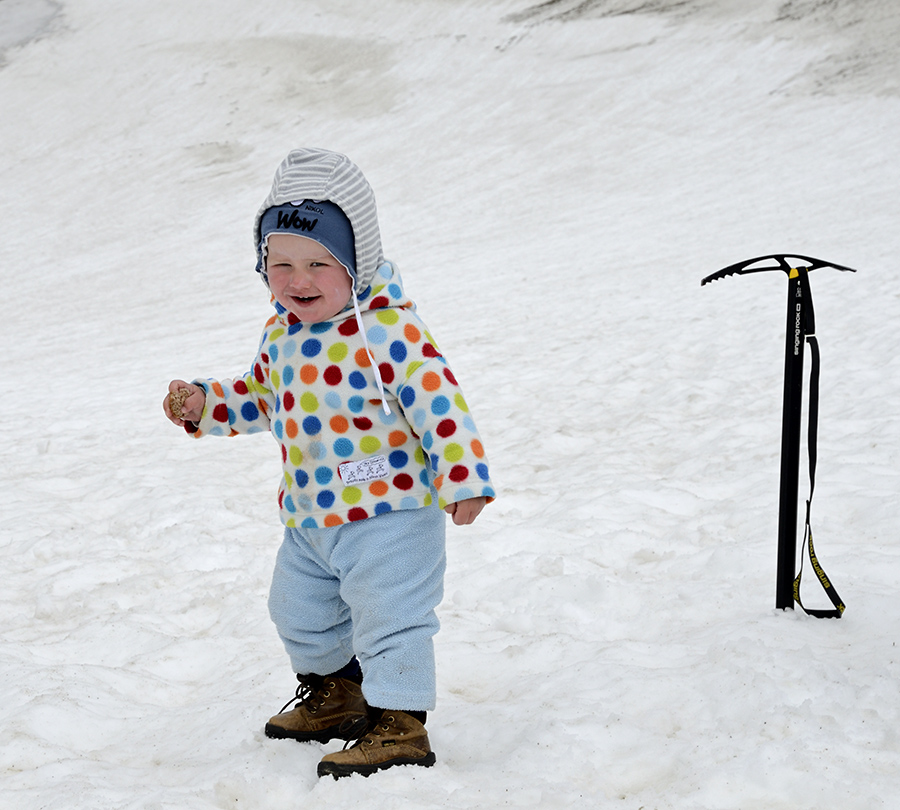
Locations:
(367, 588)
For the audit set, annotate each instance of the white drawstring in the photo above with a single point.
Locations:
(362, 331)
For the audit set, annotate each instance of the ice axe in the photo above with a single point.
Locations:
(801, 328)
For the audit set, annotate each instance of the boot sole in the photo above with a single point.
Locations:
(339, 732)
(337, 770)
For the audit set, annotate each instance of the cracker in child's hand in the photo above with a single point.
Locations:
(177, 400)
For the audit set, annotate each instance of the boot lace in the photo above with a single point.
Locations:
(312, 690)
(372, 731)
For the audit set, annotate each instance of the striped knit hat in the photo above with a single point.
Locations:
(318, 174)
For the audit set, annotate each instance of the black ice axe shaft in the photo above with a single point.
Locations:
(800, 325)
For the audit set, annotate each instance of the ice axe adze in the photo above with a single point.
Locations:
(801, 327)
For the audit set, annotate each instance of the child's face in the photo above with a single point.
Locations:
(305, 278)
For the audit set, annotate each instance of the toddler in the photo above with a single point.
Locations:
(376, 444)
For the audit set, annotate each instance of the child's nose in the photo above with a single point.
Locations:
(300, 278)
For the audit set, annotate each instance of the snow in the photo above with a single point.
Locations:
(554, 179)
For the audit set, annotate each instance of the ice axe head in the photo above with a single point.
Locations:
(782, 261)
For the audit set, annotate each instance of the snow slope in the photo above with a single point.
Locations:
(554, 180)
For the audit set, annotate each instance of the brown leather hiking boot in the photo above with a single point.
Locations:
(327, 708)
(395, 739)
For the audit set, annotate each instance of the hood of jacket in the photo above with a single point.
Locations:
(319, 174)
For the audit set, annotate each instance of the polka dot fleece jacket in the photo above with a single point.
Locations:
(312, 385)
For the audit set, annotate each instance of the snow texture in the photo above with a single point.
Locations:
(554, 179)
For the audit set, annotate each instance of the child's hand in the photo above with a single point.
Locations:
(465, 512)
(181, 407)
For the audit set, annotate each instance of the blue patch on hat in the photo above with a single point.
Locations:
(320, 220)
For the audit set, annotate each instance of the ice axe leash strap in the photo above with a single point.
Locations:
(800, 331)
(809, 328)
